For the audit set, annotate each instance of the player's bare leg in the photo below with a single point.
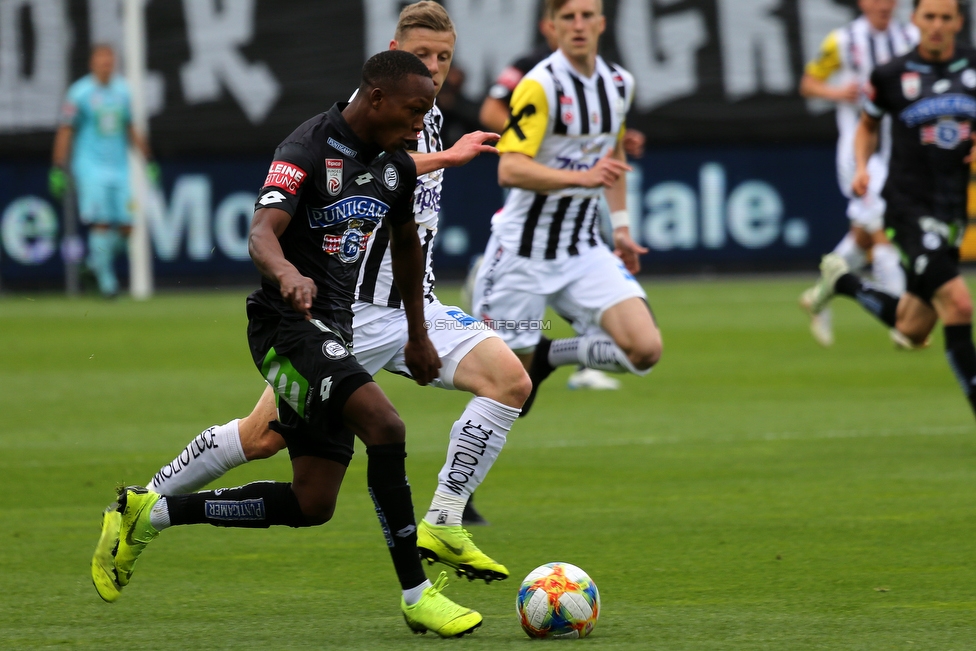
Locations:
(628, 341)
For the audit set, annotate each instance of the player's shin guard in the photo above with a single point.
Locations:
(257, 505)
(886, 268)
(962, 358)
(386, 477)
(477, 438)
(597, 350)
(601, 352)
(208, 456)
(881, 304)
(853, 255)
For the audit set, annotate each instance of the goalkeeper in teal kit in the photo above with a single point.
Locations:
(95, 132)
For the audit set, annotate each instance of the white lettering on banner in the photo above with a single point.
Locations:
(752, 215)
(32, 101)
(490, 33)
(216, 31)
(232, 220)
(660, 51)
(755, 48)
(670, 222)
(817, 18)
(189, 210)
(29, 230)
(105, 26)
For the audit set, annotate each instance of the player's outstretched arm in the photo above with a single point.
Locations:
(865, 144)
(408, 272)
(812, 87)
(516, 170)
(265, 250)
(467, 147)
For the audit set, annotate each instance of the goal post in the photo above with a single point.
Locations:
(140, 248)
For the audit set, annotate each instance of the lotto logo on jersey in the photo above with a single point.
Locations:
(287, 176)
(333, 176)
(945, 134)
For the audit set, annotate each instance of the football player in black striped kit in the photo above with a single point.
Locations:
(931, 95)
(473, 358)
(332, 182)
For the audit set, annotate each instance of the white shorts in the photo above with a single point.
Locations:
(511, 292)
(868, 211)
(380, 335)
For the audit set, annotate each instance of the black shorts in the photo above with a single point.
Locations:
(929, 250)
(312, 372)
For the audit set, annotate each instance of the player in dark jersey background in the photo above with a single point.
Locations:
(931, 95)
(332, 181)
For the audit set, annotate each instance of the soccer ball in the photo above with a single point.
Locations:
(558, 600)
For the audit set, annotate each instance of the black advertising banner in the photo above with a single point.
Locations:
(236, 76)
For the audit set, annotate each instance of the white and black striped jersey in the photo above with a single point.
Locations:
(376, 275)
(565, 121)
(851, 53)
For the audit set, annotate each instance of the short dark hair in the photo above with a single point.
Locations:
(916, 3)
(390, 67)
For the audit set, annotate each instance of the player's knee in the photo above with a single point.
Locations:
(267, 445)
(388, 428)
(962, 307)
(646, 352)
(510, 385)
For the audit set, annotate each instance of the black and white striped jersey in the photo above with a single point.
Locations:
(849, 54)
(564, 121)
(376, 275)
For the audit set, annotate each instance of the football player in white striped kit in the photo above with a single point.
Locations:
(473, 358)
(561, 150)
(839, 73)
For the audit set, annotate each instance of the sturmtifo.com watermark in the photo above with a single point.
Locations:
(493, 324)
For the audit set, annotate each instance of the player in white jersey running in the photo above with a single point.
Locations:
(561, 150)
(839, 73)
(473, 358)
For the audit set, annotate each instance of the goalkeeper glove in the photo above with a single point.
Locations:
(57, 182)
(152, 172)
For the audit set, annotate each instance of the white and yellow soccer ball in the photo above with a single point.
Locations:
(558, 600)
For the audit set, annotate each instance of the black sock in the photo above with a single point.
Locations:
(882, 305)
(962, 358)
(386, 476)
(257, 505)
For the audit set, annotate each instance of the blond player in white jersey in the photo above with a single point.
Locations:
(561, 151)
(838, 74)
(473, 358)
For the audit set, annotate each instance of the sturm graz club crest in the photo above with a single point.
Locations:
(390, 177)
(334, 350)
(333, 176)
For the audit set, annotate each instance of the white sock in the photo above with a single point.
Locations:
(208, 456)
(853, 255)
(477, 438)
(601, 352)
(159, 515)
(563, 352)
(886, 268)
(413, 595)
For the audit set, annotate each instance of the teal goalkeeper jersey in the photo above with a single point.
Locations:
(100, 116)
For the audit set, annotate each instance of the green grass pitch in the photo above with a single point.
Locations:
(754, 492)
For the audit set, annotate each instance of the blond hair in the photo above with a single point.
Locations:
(424, 15)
